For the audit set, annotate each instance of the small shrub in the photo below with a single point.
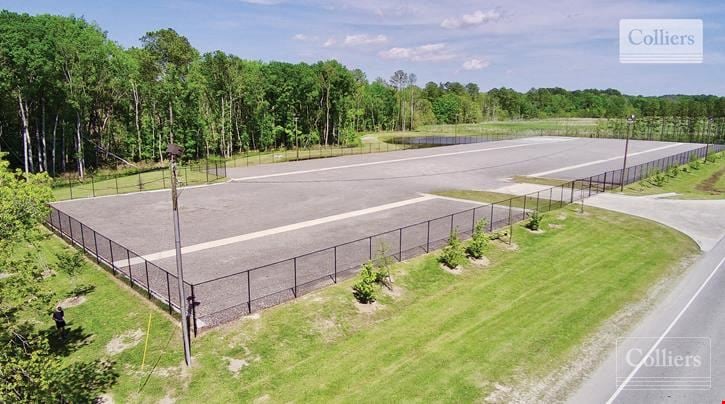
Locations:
(498, 235)
(534, 221)
(382, 265)
(364, 289)
(658, 179)
(695, 163)
(673, 172)
(70, 263)
(454, 254)
(479, 240)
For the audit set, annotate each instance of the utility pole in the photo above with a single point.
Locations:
(630, 125)
(175, 152)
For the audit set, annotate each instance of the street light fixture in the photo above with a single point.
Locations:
(175, 151)
(630, 126)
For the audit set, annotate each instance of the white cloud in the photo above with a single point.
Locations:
(304, 38)
(330, 41)
(434, 52)
(364, 39)
(475, 64)
(478, 17)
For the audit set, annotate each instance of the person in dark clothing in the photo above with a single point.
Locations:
(58, 317)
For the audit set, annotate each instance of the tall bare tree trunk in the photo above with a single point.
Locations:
(412, 107)
(223, 137)
(79, 146)
(52, 151)
(45, 148)
(327, 113)
(135, 110)
(24, 131)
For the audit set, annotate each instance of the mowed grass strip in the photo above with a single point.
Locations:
(707, 182)
(436, 337)
(545, 200)
(145, 181)
(110, 323)
(446, 337)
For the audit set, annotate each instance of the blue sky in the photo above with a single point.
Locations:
(518, 44)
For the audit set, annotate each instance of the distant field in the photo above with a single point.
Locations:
(536, 126)
(126, 183)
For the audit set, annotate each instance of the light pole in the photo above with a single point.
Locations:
(630, 126)
(175, 151)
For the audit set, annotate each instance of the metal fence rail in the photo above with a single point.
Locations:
(142, 180)
(143, 276)
(226, 298)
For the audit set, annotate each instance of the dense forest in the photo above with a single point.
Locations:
(72, 98)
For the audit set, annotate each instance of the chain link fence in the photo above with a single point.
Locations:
(226, 298)
(89, 186)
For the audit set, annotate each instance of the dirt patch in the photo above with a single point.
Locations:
(328, 329)
(236, 365)
(369, 308)
(561, 382)
(555, 226)
(262, 399)
(394, 291)
(454, 271)
(124, 341)
(4, 275)
(505, 245)
(710, 184)
(561, 216)
(104, 399)
(72, 301)
(167, 400)
(480, 262)
(539, 231)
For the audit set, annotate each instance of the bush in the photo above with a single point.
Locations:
(70, 263)
(479, 240)
(695, 163)
(658, 179)
(453, 253)
(534, 221)
(672, 172)
(364, 289)
(498, 235)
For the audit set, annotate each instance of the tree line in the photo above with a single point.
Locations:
(73, 99)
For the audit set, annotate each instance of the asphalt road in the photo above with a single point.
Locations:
(688, 323)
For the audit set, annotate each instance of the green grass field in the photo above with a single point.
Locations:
(523, 127)
(437, 337)
(530, 202)
(371, 143)
(122, 184)
(706, 182)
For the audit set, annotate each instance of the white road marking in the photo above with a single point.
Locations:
(372, 163)
(448, 198)
(664, 334)
(601, 161)
(277, 230)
